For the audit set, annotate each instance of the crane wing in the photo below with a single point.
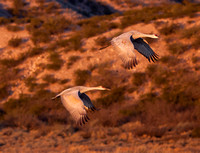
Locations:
(86, 101)
(75, 106)
(125, 50)
(142, 47)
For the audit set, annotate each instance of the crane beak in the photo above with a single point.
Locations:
(156, 36)
(103, 88)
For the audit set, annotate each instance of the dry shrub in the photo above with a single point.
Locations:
(30, 82)
(7, 74)
(116, 95)
(52, 7)
(81, 76)
(63, 81)
(4, 21)
(4, 90)
(96, 25)
(169, 60)
(15, 42)
(195, 59)
(55, 61)
(190, 32)
(40, 36)
(55, 25)
(158, 74)
(17, 6)
(196, 132)
(177, 48)
(13, 28)
(73, 43)
(10, 62)
(196, 43)
(34, 111)
(148, 14)
(151, 131)
(170, 29)
(35, 51)
(72, 60)
(86, 134)
(49, 78)
(138, 78)
(102, 41)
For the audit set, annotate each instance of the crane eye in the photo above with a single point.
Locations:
(156, 35)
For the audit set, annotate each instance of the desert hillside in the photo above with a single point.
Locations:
(48, 46)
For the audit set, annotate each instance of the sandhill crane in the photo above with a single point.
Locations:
(126, 44)
(77, 102)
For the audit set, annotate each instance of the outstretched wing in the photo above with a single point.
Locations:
(142, 47)
(125, 49)
(86, 101)
(75, 106)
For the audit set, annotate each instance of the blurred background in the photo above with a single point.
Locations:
(47, 46)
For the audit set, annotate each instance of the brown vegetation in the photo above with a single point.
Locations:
(158, 102)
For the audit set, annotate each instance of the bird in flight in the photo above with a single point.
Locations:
(126, 44)
(77, 102)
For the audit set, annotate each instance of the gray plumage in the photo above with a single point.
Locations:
(126, 44)
(77, 102)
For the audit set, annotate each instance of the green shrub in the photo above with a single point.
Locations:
(81, 76)
(138, 78)
(55, 61)
(15, 42)
(13, 28)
